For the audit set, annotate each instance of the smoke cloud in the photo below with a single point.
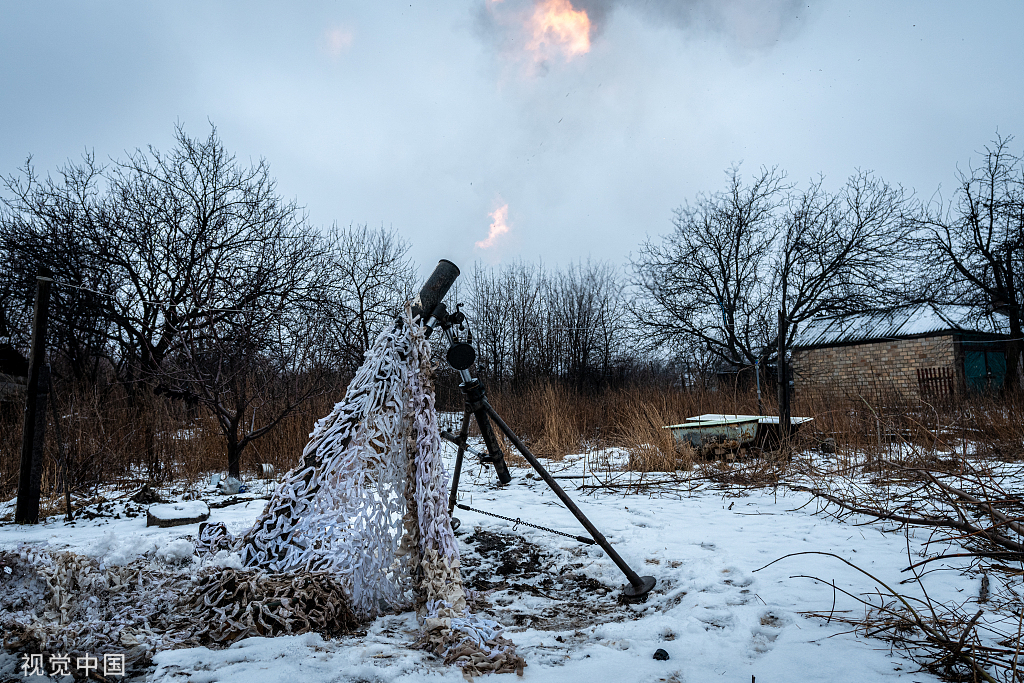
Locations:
(744, 24)
(750, 24)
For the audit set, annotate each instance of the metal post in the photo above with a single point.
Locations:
(757, 374)
(38, 386)
(784, 416)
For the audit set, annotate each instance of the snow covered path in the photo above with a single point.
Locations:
(716, 618)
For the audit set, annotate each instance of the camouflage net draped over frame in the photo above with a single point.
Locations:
(361, 527)
(369, 505)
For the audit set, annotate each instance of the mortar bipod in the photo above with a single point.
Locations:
(478, 406)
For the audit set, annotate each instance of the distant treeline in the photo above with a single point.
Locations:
(184, 280)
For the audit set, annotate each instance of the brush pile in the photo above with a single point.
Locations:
(973, 511)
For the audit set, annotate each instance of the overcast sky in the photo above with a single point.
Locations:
(577, 126)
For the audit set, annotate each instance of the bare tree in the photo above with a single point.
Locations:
(48, 221)
(522, 285)
(974, 244)
(197, 237)
(588, 320)
(707, 282)
(566, 323)
(737, 257)
(491, 313)
(369, 278)
(184, 254)
(833, 248)
(251, 371)
(837, 253)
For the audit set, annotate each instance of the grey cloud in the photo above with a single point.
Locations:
(748, 24)
(743, 24)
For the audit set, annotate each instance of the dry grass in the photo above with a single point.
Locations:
(105, 436)
(557, 420)
(650, 446)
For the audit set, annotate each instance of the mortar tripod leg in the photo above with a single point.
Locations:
(639, 586)
(463, 434)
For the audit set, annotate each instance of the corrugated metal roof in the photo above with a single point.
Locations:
(905, 321)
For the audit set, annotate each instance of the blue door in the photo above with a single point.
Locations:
(984, 370)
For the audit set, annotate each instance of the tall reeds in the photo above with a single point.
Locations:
(105, 435)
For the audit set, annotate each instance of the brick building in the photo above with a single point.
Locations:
(918, 350)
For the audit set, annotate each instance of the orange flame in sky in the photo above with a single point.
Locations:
(556, 23)
(498, 227)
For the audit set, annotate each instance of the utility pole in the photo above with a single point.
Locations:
(783, 376)
(33, 437)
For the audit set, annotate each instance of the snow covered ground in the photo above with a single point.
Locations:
(716, 617)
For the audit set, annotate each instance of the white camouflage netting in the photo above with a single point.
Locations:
(369, 504)
(344, 507)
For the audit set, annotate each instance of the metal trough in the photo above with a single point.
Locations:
(767, 435)
(700, 432)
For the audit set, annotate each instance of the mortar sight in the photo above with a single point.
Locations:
(437, 285)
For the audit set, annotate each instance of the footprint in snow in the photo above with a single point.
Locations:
(733, 577)
(734, 583)
(716, 620)
(769, 627)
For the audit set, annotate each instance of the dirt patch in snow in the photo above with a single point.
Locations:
(528, 586)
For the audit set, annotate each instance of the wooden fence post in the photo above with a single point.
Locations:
(38, 388)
